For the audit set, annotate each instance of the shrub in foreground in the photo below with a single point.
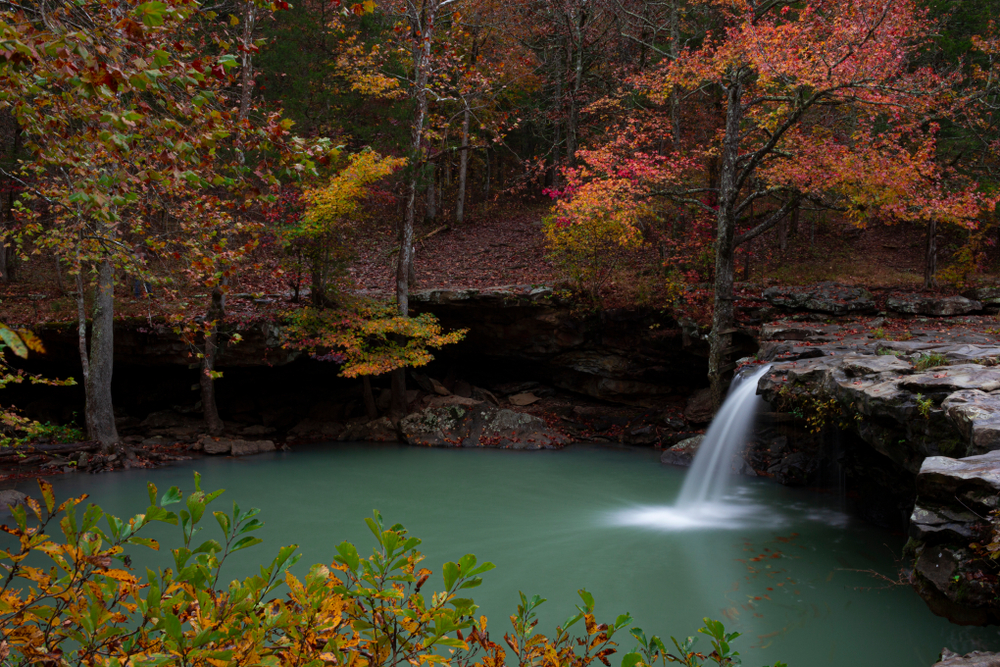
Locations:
(87, 607)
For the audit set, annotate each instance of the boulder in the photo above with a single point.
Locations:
(682, 454)
(369, 430)
(830, 298)
(699, 408)
(9, 498)
(216, 445)
(954, 378)
(974, 659)
(936, 306)
(526, 398)
(248, 447)
(988, 296)
(454, 421)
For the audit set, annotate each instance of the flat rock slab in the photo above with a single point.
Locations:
(856, 365)
(974, 659)
(236, 447)
(831, 298)
(973, 480)
(954, 378)
(935, 306)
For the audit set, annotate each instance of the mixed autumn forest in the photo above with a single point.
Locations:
(324, 159)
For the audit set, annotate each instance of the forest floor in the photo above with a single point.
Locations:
(507, 247)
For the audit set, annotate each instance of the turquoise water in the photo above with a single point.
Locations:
(783, 572)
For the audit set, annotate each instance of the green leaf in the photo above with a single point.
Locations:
(247, 541)
(172, 496)
(631, 659)
(348, 555)
(223, 520)
(450, 573)
(146, 542)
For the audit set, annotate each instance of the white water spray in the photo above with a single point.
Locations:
(708, 477)
(702, 503)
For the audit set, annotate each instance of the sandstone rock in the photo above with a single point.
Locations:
(974, 659)
(156, 440)
(867, 364)
(976, 414)
(526, 398)
(213, 446)
(941, 525)
(682, 454)
(916, 304)
(454, 421)
(463, 389)
(9, 498)
(973, 481)
(954, 378)
(248, 447)
(439, 388)
(822, 298)
(699, 408)
(989, 296)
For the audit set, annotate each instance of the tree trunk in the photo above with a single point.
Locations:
(216, 313)
(675, 100)
(557, 137)
(431, 215)
(423, 24)
(100, 415)
(930, 263)
(371, 410)
(722, 317)
(463, 166)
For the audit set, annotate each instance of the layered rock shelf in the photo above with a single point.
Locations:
(930, 405)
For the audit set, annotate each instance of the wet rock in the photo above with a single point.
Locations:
(974, 659)
(682, 454)
(10, 498)
(794, 469)
(454, 421)
(641, 434)
(249, 447)
(917, 304)
(235, 447)
(828, 297)
(699, 408)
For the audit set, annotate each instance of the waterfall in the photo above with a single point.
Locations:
(707, 479)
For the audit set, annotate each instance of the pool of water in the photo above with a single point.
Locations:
(786, 569)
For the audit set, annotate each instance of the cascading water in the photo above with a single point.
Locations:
(702, 502)
(707, 480)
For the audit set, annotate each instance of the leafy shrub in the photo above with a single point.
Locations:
(88, 607)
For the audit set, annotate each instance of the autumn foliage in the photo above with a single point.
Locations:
(87, 606)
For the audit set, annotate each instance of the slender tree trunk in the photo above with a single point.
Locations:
(557, 138)
(675, 100)
(424, 25)
(100, 415)
(463, 166)
(431, 215)
(722, 317)
(371, 410)
(216, 313)
(930, 263)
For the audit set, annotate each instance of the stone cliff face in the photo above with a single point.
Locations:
(932, 411)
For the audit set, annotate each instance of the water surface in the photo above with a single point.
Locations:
(782, 570)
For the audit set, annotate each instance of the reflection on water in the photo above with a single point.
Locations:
(781, 566)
